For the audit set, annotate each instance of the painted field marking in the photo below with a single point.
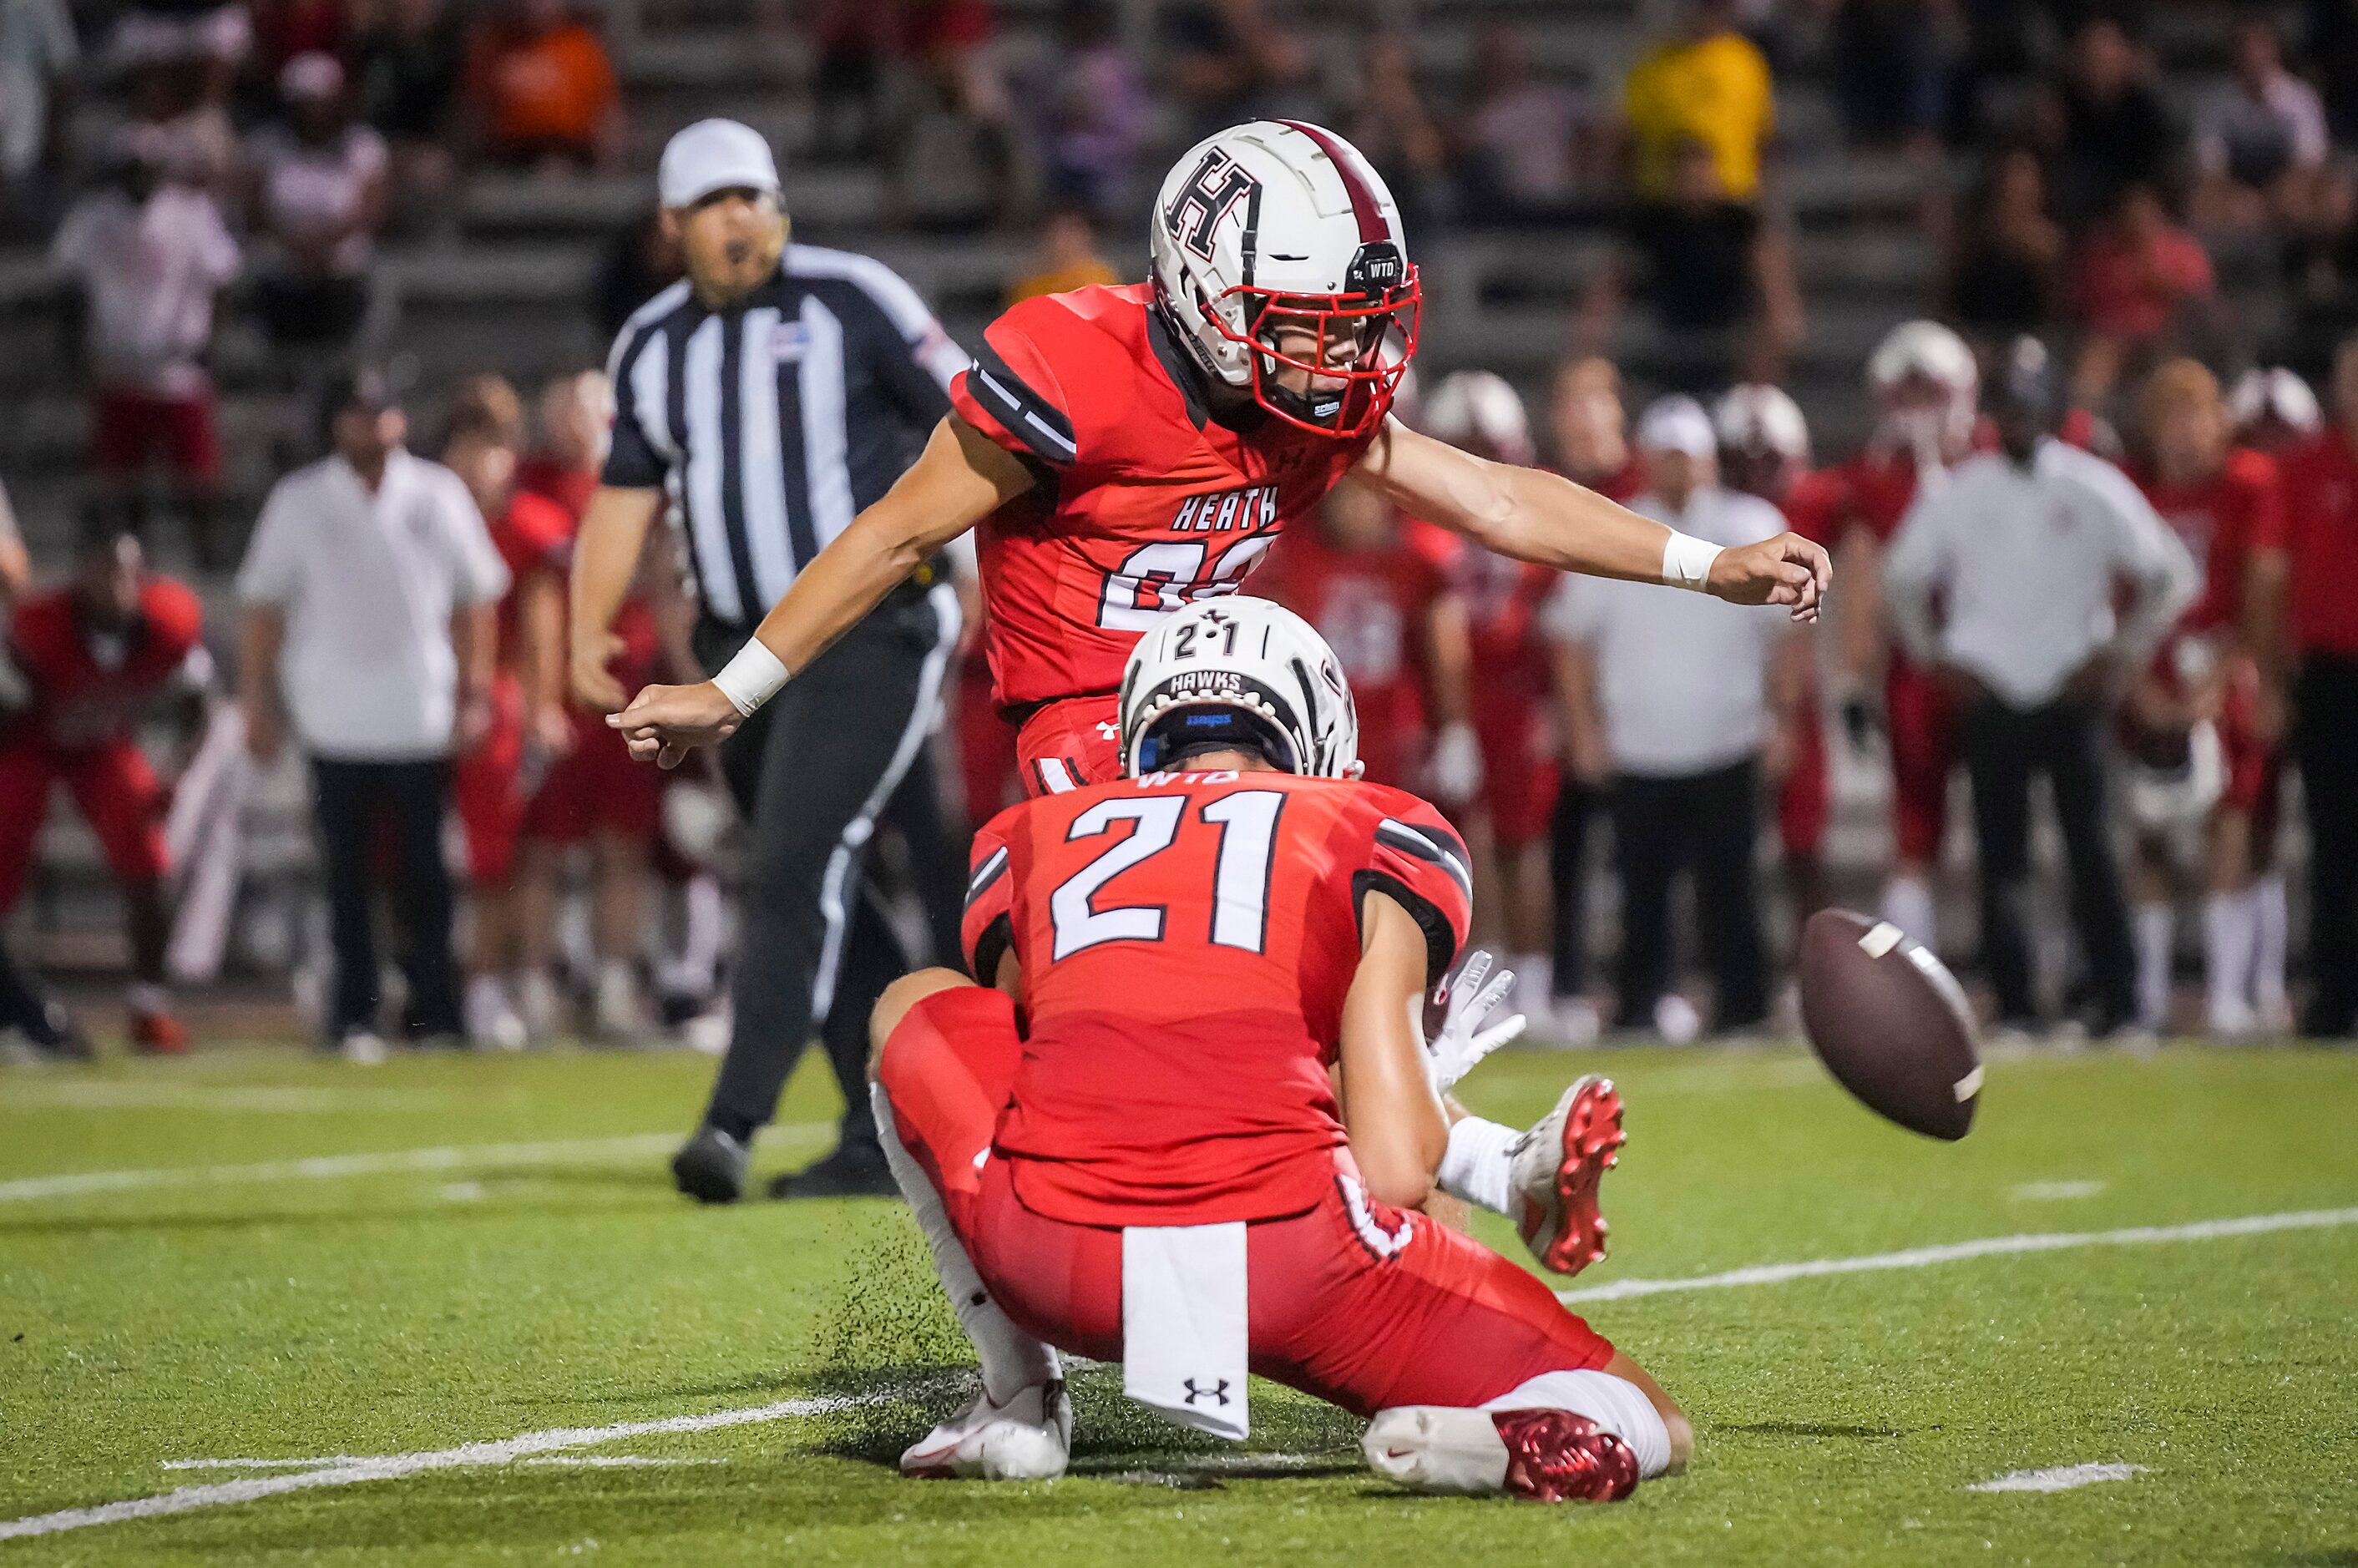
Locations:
(348, 1472)
(397, 1162)
(1960, 1251)
(2061, 1479)
(2055, 1192)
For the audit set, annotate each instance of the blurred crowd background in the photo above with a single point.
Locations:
(207, 210)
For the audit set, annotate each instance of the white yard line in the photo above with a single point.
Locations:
(1960, 1251)
(346, 1472)
(397, 1162)
(2061, 1479)
(2055, 1192)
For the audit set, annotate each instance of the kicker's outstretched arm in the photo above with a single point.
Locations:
(1543, 517)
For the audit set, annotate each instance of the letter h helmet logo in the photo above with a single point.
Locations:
(1218, 184)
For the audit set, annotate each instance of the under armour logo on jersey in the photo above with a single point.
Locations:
(1108, 730)
(1219, 1391)
(1219, 183)
(1223, 511)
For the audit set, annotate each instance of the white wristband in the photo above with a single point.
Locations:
(1686, 561)
(752, 677)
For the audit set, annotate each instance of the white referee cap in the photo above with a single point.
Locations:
(715, 155)
(1677, 424)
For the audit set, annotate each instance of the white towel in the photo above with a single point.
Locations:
(1186, 1343)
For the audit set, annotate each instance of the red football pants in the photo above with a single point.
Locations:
(114, 787)
(1923, 723)
(1070, 743)
(1359, 1303)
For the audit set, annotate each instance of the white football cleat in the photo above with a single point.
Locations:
(1029, 1438)
(1557, 1165)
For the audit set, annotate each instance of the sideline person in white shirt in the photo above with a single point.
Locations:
(1678, 700)
(368, 592)
(2024, 547)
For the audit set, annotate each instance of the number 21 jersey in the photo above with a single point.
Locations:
(1144, 502)
(1187, 941)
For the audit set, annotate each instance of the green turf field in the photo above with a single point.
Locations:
(448, 1252)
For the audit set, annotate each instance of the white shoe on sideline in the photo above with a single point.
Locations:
(492, 1023)
(362, 1049)
(615, 1012)
(542, 1007)
(1577, 1022)
(1030, 1438)
(1676, 1020)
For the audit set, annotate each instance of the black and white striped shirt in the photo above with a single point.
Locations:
(771, 423)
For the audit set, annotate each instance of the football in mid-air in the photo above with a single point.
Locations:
(1890, 1023)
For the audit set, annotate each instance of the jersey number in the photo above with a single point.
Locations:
(1240, 875)
(1155, 580)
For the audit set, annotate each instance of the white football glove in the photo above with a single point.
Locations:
(1456, 763)
(1461, 1042)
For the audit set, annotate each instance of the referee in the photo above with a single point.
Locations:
(764, 400)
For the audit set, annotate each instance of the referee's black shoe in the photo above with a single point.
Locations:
(853, 1171)
(710, 1166)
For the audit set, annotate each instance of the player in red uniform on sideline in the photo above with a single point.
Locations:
(1511, 729)
(1126, 451)
(86, 662)
(1393, 622)
(1927, 388)
(487, 782)
(1240, 916)
(2203, 739)
(1764, 450)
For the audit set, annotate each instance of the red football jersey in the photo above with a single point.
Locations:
(1146, 503)
(1372, 607)
(533, 534)
(2220, 520)
(90, 688)
(2320, 533)
(1503, 599)
(1187, 941)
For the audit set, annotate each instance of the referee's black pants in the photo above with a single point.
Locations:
(349, 800)
(2325, 739)
(1709, 825)
(813, 771)
(2003, 747)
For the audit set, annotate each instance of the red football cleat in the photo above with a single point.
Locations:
(1546, 1455)
(158, 1034)
(1558, 1164)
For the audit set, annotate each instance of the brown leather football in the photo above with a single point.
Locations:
(1890, 1023)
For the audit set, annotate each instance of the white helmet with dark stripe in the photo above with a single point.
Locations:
(1279, 219)
(1237, 673)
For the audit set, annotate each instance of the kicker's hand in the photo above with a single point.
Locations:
(1461, 1042)
(1787, 570)
(663, 723)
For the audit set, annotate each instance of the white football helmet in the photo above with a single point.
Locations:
(1278, 217)
(1923, 375)
(2273, 395)
(1238, 672)
(1474, 408)
(1757, 418)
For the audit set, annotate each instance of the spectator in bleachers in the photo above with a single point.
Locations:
(38, 56)
(1068, 258)
(1230, 61)
(2104, 122)
(1674, 704)
(953, 151)
(2026, 549)
(2319, 561)
(2004, 267)
(1385, 115)
(1090, 113)
(2331, 29)
(541, 90)
(284, 31)
(2142, 282)
(408, 59)
(853, 41)
(1893, 61)
(1707, 84)
(320, 188)
(368, 591)
(1528, 153)
(2261, 148)
(1717, 274)
(177, 82)
(147, 255)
